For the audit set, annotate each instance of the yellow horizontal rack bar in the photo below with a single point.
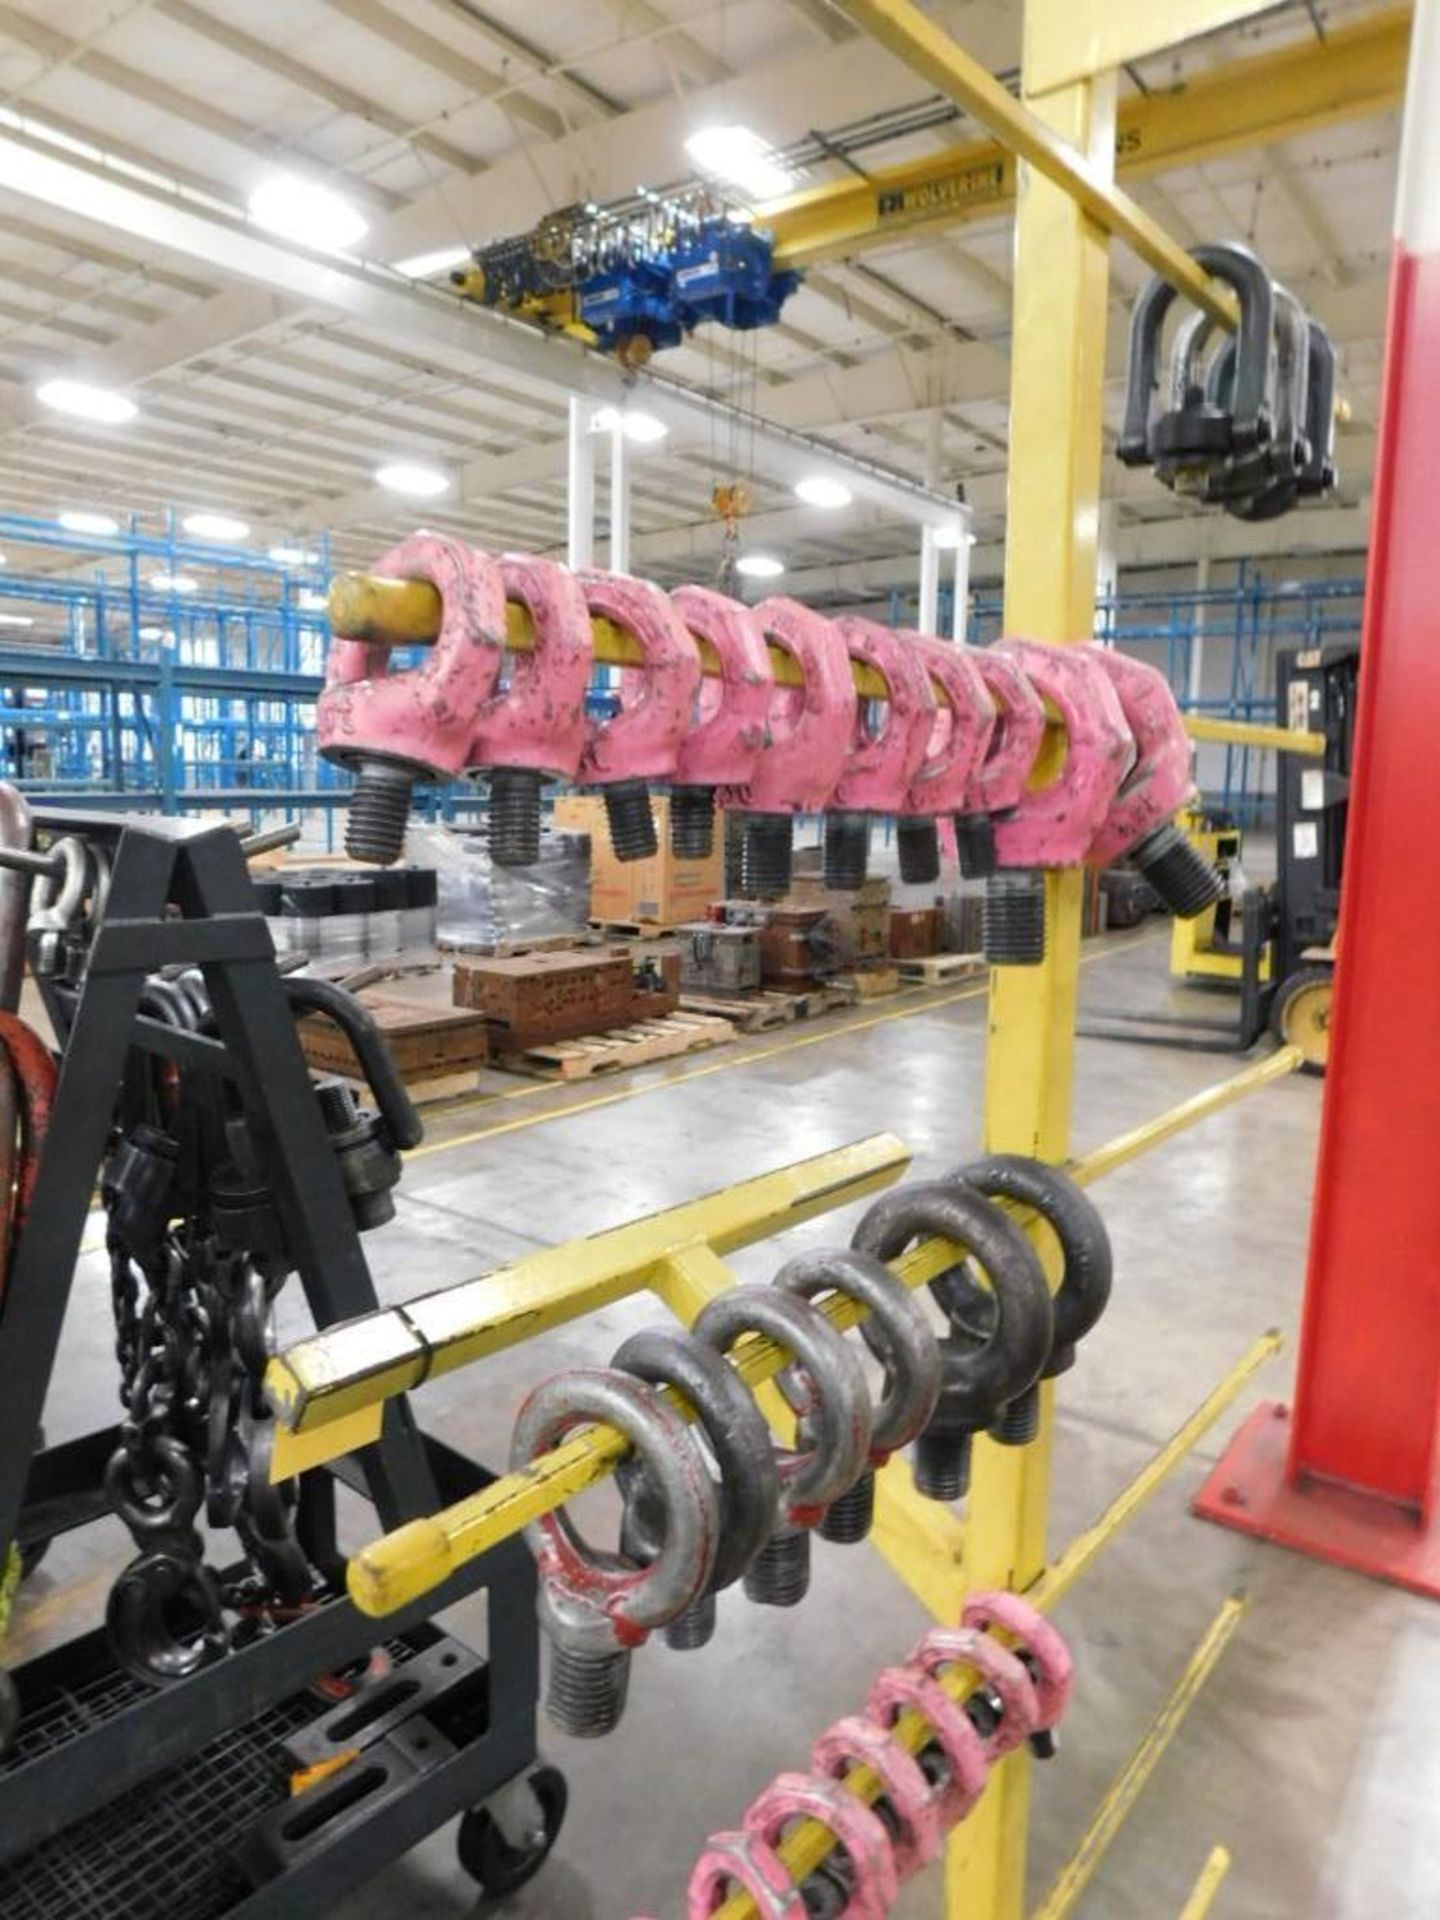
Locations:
(1206, 1888)
(401, 613)
(1358, 69)
(325, 1380)
(809, 1844)
(1125, 1789)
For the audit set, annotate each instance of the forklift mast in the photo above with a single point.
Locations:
(1315, 689)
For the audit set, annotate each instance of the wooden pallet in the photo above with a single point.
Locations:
(512, 949)
(636, 929)
(621, 1047)
(753, 1012)
(871, 983)
(937, 969)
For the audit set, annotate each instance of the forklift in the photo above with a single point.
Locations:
(1274, 944)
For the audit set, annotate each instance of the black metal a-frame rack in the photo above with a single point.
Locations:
(93, 1740)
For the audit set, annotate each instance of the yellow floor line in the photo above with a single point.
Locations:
(728, 1064)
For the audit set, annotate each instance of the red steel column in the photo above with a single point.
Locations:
(1351, 1476)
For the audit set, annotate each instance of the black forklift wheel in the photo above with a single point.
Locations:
(1300, 1014)
(487, 1856)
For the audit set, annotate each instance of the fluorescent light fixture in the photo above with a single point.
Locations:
(293, 557)
(87, 402)
(644, 429)
(739, 157)
(760, 566)
(152, 633)
(173, 583)
(948, 537)
(16, 620)
(819, 490)
(78, 520)
(424, 266)
(215, 526)
(311, 602)
(408, 476)
(307, 213)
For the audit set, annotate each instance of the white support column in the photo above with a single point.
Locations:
(580, 491)
(1195, 678)
(927, 619)
(619, 499)
(960, 607)
(1107, 566)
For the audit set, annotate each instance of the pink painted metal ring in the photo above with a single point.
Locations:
(857, 1742)
(999, 1669)
(419, 716)
(897, 1688)
(1054, 1670)
(537, 720)
(742, 1860)
(857, 1830)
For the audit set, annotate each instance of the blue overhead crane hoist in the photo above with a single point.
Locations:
(635, 280)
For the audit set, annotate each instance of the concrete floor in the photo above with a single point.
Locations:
(1311, 1753)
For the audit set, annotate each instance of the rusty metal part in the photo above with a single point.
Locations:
(596, 1607)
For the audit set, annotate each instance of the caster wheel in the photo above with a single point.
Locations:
(1300, 1015)
(9, 1713)
(488, 1857)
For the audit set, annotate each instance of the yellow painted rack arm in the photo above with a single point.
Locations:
(404, 613)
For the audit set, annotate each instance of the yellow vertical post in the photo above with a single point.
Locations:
(1052, 508)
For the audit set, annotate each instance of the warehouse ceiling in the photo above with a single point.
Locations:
(458, 121)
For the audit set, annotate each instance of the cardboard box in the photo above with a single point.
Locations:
(659, 892)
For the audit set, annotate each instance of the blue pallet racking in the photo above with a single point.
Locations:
(1241, 625)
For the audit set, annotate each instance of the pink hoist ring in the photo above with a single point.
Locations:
(857, 1830)
(1054, 1669)
(897, 1688)
(742, 1860)
(856, 1742)
(999, 1669)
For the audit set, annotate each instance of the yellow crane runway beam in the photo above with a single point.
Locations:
(1066, 160)
(1357, 69)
